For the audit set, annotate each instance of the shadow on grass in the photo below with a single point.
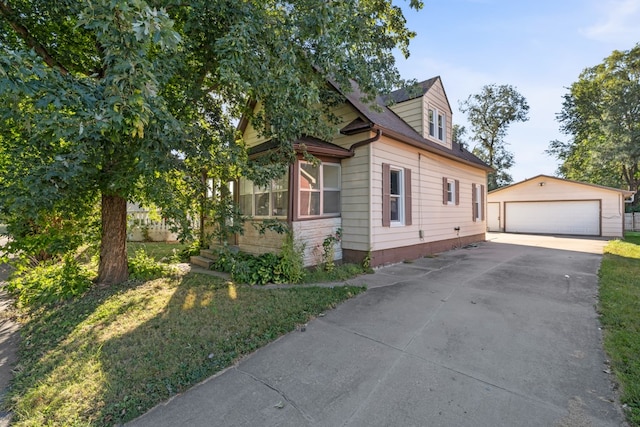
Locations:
(113, 355)
(204, 328)
(619, 307)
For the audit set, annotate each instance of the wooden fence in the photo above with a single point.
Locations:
(142, 227)
(632, 221)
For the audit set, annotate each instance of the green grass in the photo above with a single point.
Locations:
(159, 251)
(339, 273)
(113, 354)
(620, 316)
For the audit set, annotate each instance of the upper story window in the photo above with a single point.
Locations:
(319, 189)
(437, 124)
(269, 201)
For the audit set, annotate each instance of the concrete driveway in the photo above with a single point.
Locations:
(501, 334)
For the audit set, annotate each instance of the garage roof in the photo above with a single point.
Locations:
(626, 193)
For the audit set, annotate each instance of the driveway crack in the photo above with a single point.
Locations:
(280, 392)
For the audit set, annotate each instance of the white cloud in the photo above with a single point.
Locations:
(619, 23)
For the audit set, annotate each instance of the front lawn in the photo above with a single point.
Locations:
(159, 251)
(114, 353)
(620, 316)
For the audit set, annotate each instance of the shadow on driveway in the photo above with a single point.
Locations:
(500, 334)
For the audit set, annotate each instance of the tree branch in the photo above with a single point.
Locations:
(10, 16)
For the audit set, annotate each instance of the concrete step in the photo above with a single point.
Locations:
(201, 261)
(208, 253)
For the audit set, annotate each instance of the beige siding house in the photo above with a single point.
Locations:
(391, 180)
(550, 205)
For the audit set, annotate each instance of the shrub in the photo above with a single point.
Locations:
(291, 266)
(143, 267)
(262, 269)
(192, 249)
(49, 282)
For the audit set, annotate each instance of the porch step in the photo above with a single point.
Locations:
(201, 261)
(207, 253)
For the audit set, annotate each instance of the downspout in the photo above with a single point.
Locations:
(352, 149)
(366, 141)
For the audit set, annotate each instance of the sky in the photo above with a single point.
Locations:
(538, 46)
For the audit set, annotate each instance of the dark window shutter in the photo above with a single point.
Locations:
(482, 202)
(445, 199)
(407, 197)
(457, 192)
(386, 190)
(474, 214)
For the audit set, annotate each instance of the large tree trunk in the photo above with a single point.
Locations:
(113, 248)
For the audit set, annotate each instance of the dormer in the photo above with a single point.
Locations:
(426, 109)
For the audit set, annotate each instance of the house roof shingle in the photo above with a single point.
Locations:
(307, 144)
(382, 117)
(411, 92)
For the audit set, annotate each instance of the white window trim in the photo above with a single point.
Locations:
(321, 190)
(434, 114)
(270, 191)
(451, 200)
(400, 221)
(478, 202)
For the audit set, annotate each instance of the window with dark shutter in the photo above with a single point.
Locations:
(481, 203)
(386, 195)
(407, 197)
(396, 196)
(474, 202)
(457, 191)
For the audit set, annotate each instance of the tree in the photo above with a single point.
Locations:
(490, 113)
(459, 134)
(112, 100)
(601, 113)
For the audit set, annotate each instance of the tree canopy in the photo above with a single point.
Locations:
(490, 113)
(113, 100)
(601, 114)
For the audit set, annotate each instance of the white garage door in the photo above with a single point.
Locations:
(580, 217)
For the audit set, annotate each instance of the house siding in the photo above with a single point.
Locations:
(255, 243)
(436, 98)
(356, 213)
(612, 202)
(436, 220)
(433, 224)
(411, 111)
(250, 135)
(312, 234)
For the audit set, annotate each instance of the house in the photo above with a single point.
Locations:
(391, 180)
(549, 205)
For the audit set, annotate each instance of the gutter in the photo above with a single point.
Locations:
(366, 141)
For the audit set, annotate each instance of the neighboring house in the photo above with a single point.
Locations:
(391, 180)
(549, 205)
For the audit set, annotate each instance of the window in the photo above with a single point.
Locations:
(432, 124)
(477, 196)
(396, 196)
(269, 201)
(437, 124)
(319, 189)
(450, 191)
(441, 127)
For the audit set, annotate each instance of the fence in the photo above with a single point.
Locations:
(632, 221)
(142, 227)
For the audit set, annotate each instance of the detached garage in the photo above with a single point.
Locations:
(550, 205)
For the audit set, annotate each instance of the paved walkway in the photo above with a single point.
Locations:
(8, 340)
(500, 334)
